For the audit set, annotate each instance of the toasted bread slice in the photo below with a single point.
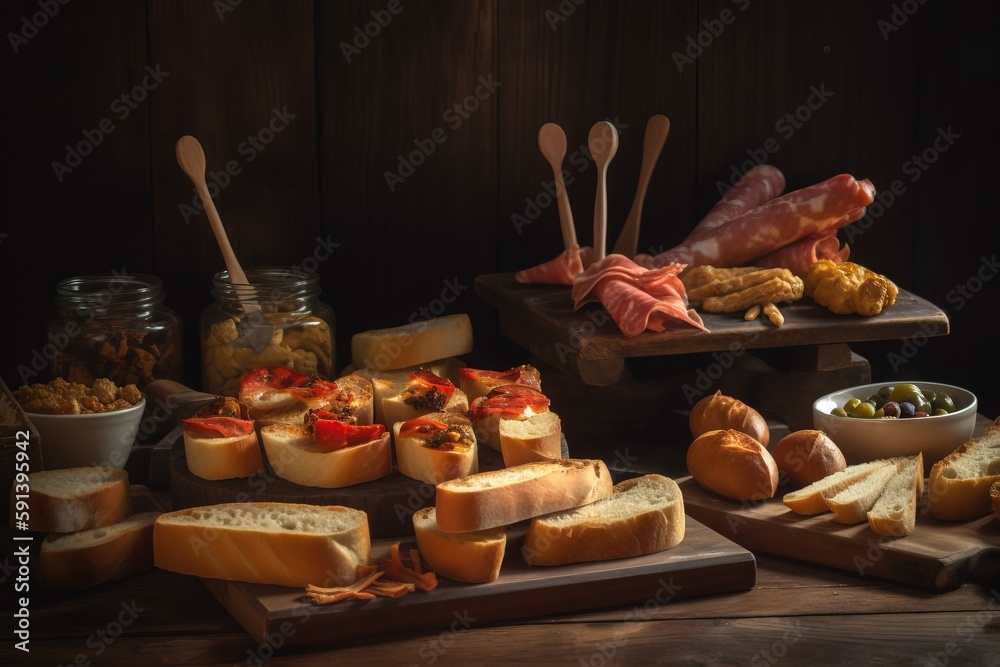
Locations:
(959, 484)
(810, 499)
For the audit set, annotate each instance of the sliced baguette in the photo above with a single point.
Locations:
(538, 438)
(895, 512)
(853, 503)
(395, 410)
(502, 497)
(71, 499)
(89, 557)
(810, 499)
(473, 558)
(434, 464)
(293, 454)
(448, 367)
(223, 458)
(265, 543)
(645, 515)
(412, 344)
(959, 484)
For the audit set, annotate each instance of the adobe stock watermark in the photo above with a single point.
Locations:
(31, 24)
(248, 149)
(99, 641)
(786, 126)
(121, 108)
(968, 630)
(900, 14)
(223, 7)
(562, 12)
(779, 648)
(536, 205)
(364, 33)
(697, 44)
(454, 116)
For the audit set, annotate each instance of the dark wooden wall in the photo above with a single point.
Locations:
(896, 74)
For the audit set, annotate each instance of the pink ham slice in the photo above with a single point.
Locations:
(757, 187)
(798, 257)
(815, 211)
(561, 270)
(637, 298)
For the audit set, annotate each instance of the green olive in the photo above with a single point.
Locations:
(901, 391)
(943, 402)
(838, 412)
(864, 410)
(851, 404)
(920, 402)
(939, 411)
(886, 391)
(879, 414)
(877, 401)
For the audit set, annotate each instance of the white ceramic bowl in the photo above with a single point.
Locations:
(100, 439)
(867, 439)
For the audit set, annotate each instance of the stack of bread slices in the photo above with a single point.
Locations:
(94, 535)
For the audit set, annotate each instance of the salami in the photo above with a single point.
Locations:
(561, 270)
(798, 257)
(814, 211)
(757, 187)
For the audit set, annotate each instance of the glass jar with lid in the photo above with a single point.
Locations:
(117, 327)
(275, 320)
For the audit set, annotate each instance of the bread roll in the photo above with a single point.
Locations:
(959, 485)
(807, 456)
(412, 344)
(733, 464)
(215, 458)
(502, 497)
(89, 557)
(538, 438)
(895, 512)
(644, 515)
(472, 558)
(811, 499)
(435, 454)
(67, 500)
(720, 412)
(294, 455)
(265, 543)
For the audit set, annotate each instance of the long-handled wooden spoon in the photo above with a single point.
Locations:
(191, 158)
(603, 144)
(552, 143)
(657, 129)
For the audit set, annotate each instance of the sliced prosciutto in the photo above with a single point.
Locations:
(757, 187)
(560, 270)
(814, 211)
(799, 257)
(637, 298)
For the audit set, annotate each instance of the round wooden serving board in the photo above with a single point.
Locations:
(390, 501)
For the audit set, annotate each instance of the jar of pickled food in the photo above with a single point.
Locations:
(117, 327)
(275, 320)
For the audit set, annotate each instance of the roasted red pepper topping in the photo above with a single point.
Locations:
(428, 391)
(509, 400)
(333, 434)
(524, 374)
(217, 427)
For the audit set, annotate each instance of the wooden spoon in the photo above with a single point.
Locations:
(656, 135)
(191, 158)
(603, 144)
(552, 143)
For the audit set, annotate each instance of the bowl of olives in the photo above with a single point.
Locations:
(880, 420)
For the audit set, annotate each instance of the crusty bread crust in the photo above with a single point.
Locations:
(72, 499)
(720, 412)
(473, 558)
(807, 456)
(959, 484)
(733, 464)
(503, 497)
(223, 458)
(89, 557)
(412, 344)
(995, 495)
(265, 543)
(645, 515)
(293, 456)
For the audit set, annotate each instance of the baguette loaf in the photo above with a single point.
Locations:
(502, 497)
(645, 515)
(89, 557)
(895, 512)
(538, 438)
(853, 503)
(721, 412)
(959, 484)
(473, 558)
(810, 499)
(733, 464)
(71, 499)
(294, 455)
(412, 344)
(265, 543)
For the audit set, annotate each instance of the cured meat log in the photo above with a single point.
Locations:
(799, 257)
(815, 211)
(757, 187)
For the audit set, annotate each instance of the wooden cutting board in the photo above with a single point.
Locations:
(703, 563)
(937, 555)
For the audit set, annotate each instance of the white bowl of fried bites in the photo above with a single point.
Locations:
(83, 426)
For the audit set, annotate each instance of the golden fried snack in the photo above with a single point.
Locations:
(849, 288)
(772, 291)
(737, 283)
(752, 312)
(773, 314)
(697, 276)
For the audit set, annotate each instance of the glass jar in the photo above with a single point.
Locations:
(276, 320)
(116, 327)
